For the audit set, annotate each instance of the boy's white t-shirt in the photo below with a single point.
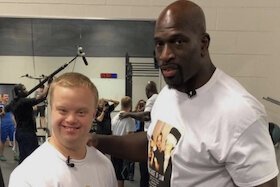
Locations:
(219, 137)
(46, 167)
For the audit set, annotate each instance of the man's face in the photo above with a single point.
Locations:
(178, 51)
(142, 105)
(23, 91)
(72, 112)
(5, 98)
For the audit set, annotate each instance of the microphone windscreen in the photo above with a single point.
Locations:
(80, 50)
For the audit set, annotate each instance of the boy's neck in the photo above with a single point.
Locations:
(74, 153)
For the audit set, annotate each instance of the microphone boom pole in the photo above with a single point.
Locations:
(51, 75)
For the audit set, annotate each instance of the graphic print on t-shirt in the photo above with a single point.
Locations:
(161, 145)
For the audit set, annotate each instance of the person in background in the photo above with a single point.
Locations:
(144, 116)
(139, 126)
(219, 131)
(1, 105)
(65, 159)
(2, 112)
(140, 107)
(151, 93)
(7, 127)
(40, 108)
(122, 127)
(6, 100)
(144, 174)
(22, 108)
(103, 115)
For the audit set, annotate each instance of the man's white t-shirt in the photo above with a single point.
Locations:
(148, 108)
(218, 138)
(46, 167)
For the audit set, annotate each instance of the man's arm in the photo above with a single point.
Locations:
(101, 116)
(116, 103)
(271, 183)
(142, 116)
(44, 93)
(43, 96)
(132, 147)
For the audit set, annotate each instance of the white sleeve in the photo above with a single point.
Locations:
(17, 180)
(150, 103)
(251, 160)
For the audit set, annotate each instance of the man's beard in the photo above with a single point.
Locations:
(176, 81)
(23, 95)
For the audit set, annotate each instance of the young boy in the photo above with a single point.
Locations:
(65, 159)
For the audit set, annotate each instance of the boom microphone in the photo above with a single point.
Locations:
(26, 75)
(85, 60)
(82, 54)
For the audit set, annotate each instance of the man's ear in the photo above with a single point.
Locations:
(205, 41)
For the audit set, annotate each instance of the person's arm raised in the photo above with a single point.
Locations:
(115, 102)
(133, 147)
(101, 116)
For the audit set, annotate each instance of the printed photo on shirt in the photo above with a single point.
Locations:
(161, 146)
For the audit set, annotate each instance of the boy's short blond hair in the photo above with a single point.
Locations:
(126, 102)
(71, 80)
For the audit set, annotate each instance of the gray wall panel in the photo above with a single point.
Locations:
(60, 37)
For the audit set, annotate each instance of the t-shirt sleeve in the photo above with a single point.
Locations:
(251, 160)
(150, 103)
(17, 179)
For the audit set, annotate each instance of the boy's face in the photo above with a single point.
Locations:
(72, 112)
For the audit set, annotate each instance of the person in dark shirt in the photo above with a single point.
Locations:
(103, 115)
(22, 108)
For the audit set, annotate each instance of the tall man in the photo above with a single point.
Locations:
(219, 133)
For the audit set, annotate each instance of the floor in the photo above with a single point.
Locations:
(8, 166)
